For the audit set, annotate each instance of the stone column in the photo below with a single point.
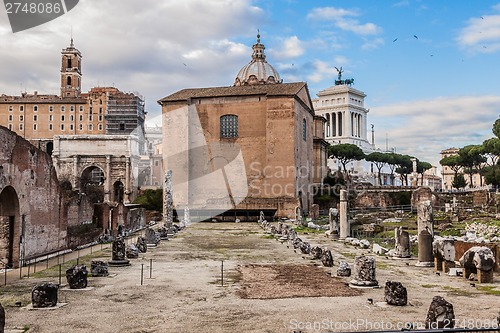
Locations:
(127, 180)
(345, 230)
(76, 183)
(425, 225)
(107, 181)
(364, 272)
(333, 219)
(168, 209)
(402, 241)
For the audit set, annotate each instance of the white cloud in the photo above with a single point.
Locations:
(481, 34)
(424, 128)
(292, 47)
(343, 19)
(372, 43)
(153, 47)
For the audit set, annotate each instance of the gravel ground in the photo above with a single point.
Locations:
(185, 293)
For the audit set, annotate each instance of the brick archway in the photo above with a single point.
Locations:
(10, 226)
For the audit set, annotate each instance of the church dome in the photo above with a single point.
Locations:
(258, 70)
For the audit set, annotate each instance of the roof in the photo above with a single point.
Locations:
(283, 89)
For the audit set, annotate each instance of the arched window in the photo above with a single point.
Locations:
(304, 129)
(229, 126)
(68, 80)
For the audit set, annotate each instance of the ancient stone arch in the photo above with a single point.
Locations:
(10, 221)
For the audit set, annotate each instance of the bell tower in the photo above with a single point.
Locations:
(71, 71)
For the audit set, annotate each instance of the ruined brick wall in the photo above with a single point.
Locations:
(29, 178)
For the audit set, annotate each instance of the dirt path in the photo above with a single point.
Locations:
(185, 292)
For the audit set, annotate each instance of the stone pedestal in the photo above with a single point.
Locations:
(344, 270)
(44, 295)
(333, 214)
(364, 272)
(425, 258)
(118, 254)
(345, 230)
(327, 258)
(484, 276)
(402, 241)
(77, 276)
(168, 202)
(141, 244)
(132, 251)
(151, 238)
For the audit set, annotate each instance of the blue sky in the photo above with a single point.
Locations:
(425, 93)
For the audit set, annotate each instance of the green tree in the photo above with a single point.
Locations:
(345, 153)
(151, 199)
(472, 160)
(404, 167)
(492, 175)
(453, 162)
(458, 181)
(421, 168)
(491, 150)
(496, 128)
(379, 159)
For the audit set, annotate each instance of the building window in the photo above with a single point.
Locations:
(51, 108)
(62, 117)
(304, 129)
(68, 81)
(21, 127)
(90, 110)
(35, 117)
(100, 127)
(71, 118)
(100, 118)
(100, 110)
(10, 117)
(90, 117)
(71, 127)
(90, 127)
(63, 108)
(229, 126)
(11, 108)
(81, 108)
(50, 117)
(80, 127)
(157, 163)
(81, 117)
(10, 127)
(21, 108)
(35, 127)
(62, 127)
(35, 108)
(72, 108)
(21, 118)
(51, 127)
(122, 127)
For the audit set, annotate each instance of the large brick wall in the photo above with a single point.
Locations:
(29, 201)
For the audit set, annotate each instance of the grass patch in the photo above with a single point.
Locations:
(457, 291)
(383, 265)
(348, 255)
(302, 230)
(429, 285)
(268, 236)
(490, 290)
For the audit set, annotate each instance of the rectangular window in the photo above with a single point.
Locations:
(35, 117)
(304, 129)
(62, 127)
(51, 108)
(81, 108)
(122, 127)
(21, 108)
(35, 127)
(100, 118)
(72, 108)
(229, 126)
(63, 108)
(10, 117)
(81, 117)
(80, 127)
(35, 108)
(71, 118)
(51, 127)
(21, 118)
(100, 127)
(157, 163)
(50, 117)
(71, 127)
(21, 127)
(100, 110)
(90, 127)
(11, 108)
(62, 117)
(90, 117)
(10, 127)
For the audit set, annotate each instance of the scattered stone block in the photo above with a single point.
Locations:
(77, 277)
(99, 268)
(316, 252)
(141, 244)
(327, 258)
(344, 270)
(395, 293)
(440, 314)
(44, 295)
(118, 254)
(377, 249)
(132, 251)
